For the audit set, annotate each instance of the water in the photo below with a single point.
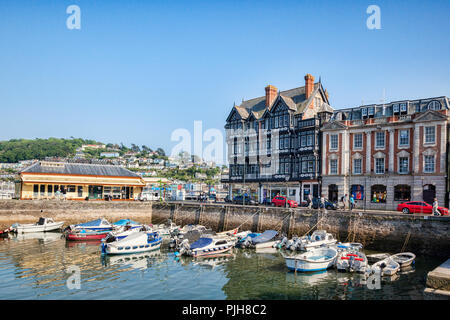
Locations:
(34, 267)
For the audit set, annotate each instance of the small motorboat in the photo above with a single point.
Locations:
(166, 231)
(404, 259)
(386, 267)
(126, 223)
(263, 240)
(244, 239)
(205, 247)
(351, 261)
(135, 243)
(83, 235)
(125, 231)
(43, 225)
(313, 260)
(94, 225)
(372, 258)
(5, 233)
(317, 239)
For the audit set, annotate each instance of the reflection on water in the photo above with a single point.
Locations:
(33, 266)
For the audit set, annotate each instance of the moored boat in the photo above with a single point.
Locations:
(263, 240)
(83, 235)
(372, 258)
(135, 243)
(43, 225)
(97, 225)
(313, 260)
(386, 267)
(205, 247)
(404, 259)
(351, 261)
(317, 239)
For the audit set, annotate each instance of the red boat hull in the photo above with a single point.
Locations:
(85, 236)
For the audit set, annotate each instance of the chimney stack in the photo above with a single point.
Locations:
(309, 85)
(271, 94)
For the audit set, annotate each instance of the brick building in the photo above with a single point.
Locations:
(387, 154)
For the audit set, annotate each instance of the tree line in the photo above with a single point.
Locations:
(16, 150)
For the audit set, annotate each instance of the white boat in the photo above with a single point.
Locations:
(135, 243)
(143, 260)
(404, 259)
(43, 225)
(351, 261)
(125, 231)
(314, 260)
(317, 239)
(205, 247)
(372, 258)
(385, 267)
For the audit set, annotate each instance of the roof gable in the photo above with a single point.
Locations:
(430, 115)
(334, 125)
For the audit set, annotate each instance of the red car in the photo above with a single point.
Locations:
(419, 207)
(280, 201)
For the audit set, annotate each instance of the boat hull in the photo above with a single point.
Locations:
(25, 228)
(151, 246)
(210, 252)
(86, 236)
(304, 266)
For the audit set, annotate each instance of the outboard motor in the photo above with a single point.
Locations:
(185, 247)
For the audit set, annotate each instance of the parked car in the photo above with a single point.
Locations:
(419, 207)
(240, 200)
(227, 199)
(280, 201)
(328, 204)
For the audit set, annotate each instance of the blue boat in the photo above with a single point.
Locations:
(94, 225)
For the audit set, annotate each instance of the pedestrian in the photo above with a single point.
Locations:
(352, 202)
(310, 200)
(58, 194)
(64, 193)
(344, 200)
(322, 203)
(435, 208)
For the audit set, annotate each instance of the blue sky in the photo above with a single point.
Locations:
(137, 70)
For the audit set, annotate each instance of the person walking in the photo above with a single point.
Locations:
(322, 203)
(435, 208)
(344, 200)
(352, 202)
(310, 200)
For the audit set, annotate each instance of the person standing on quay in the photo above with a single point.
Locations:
(435, 208)
(310, 200)
(322, 203)
(352, 202)
(344, 201)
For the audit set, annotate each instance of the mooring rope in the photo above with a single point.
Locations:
(408, 236)
(318, 221)
(259, 211)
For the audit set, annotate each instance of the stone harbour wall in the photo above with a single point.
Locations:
(379, 231)
(391, 232)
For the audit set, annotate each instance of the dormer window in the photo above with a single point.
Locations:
(403, 107)
(371, 111)
(396, 108)
(434, 105)
(364, 112)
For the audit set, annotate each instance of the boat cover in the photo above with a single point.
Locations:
(200, 243)
(93, 223)
(134, 239)
(123, 222)
(265, 236)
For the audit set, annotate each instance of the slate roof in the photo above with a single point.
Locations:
(295, 99)
(81, 169)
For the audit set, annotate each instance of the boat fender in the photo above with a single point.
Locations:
(359, 259)
(345, 258)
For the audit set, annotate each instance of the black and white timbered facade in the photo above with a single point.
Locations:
(274, 143)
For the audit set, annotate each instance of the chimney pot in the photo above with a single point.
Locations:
(309, 85)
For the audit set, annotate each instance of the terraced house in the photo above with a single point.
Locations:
(274, 142)
(387, 154)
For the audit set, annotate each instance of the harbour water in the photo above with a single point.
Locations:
(35, 266)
